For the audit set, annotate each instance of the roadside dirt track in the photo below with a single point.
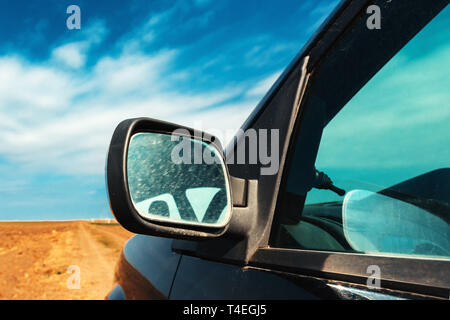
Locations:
(35, 256)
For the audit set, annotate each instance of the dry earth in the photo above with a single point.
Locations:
(35, 257)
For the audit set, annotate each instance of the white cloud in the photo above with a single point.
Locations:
(59, 115)
(264, 85)
(132, 72)
(59, 121)
(72, 54)
(23, 85)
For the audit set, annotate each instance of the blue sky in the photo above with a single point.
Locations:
(62, 92)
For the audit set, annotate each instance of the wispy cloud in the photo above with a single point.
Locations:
(264, 85)
(55, 119)
(75, 141)
(199, 63)
(72, 54)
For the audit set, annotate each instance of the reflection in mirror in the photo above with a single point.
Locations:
(191, 192)
(376, 223)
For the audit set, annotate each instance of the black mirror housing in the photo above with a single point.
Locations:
(121, 202)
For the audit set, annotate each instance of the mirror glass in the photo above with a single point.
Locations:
(178, 179)
(376, 223)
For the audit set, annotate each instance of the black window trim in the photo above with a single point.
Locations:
(428, 276)
(419, 275)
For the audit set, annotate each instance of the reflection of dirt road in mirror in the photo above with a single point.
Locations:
(34, 257)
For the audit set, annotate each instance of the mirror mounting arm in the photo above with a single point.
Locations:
(239, 190)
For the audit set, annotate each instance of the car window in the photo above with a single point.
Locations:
(388, 148)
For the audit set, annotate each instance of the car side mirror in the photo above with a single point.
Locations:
(168, 180)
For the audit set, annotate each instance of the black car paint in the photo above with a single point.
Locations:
(155, 260)
(200, 279)
(182, 277)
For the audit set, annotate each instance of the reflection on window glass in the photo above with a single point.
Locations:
(391, 143)
(374, 222)
(396, 127)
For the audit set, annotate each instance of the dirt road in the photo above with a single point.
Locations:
(43, 260)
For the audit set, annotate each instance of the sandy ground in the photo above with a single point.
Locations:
(43, 260)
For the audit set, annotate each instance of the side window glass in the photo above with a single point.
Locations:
(389, 149)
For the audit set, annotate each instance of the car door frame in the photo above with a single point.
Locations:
(246, 244)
